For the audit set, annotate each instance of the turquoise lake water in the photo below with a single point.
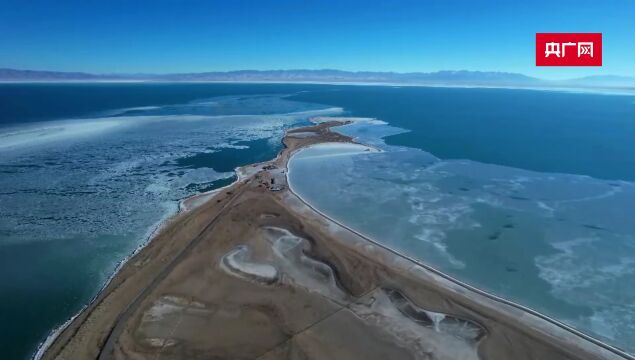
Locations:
(528, 194)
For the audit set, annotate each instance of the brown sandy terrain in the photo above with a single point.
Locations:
(255, 273)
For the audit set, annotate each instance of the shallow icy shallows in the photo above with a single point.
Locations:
(561, 244)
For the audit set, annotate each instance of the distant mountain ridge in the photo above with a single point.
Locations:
(328, 75)
(17, 75)
(461, 77)
(325, 75)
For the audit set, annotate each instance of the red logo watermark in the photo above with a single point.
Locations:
(568, 49)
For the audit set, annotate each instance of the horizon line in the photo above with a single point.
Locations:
(387, 72)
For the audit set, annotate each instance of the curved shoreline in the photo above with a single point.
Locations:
(456, 281)
(251, 173)
(152, 232)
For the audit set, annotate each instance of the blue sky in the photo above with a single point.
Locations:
(190, 36)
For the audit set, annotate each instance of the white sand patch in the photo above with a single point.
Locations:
(235, 263)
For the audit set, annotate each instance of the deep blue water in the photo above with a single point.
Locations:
(548, 131)
(21, 103)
